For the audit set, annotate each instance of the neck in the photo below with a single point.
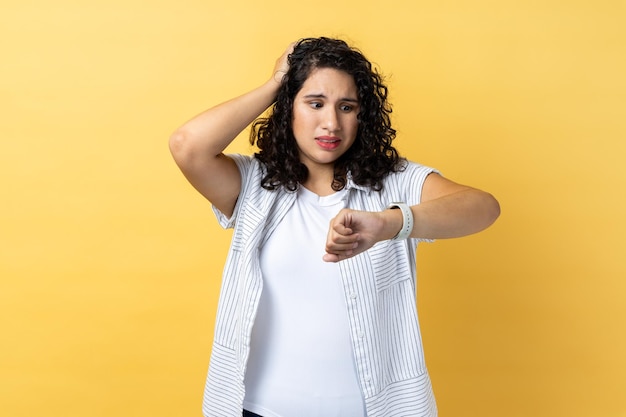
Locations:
(321, 188)
(320, 182)
(320, 178)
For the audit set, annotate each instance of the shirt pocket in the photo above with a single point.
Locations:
(390, 263)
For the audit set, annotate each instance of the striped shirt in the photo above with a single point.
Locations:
(379, 288)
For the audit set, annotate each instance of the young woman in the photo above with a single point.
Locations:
(317, 313)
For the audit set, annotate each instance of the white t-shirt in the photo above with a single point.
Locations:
(301, 362)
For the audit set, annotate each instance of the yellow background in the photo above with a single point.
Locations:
(110, 262)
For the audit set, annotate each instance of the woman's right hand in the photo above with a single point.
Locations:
(282, 64)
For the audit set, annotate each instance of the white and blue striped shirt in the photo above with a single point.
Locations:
(379, 287)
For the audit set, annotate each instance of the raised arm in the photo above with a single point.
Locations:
(450, 210)
(447, 210)
(197, 146)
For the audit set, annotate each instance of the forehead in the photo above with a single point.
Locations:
(329, 81)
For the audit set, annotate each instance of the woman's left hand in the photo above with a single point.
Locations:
(352, 232)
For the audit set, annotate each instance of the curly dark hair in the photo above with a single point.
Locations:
(368, 160)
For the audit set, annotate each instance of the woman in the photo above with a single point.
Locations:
(317, 313)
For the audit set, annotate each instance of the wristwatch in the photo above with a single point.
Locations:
(407, 220)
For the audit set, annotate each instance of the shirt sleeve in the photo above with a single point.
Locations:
(409, 182)
(244, 164)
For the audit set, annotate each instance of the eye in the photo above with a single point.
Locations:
(316, 104)
(346, 108)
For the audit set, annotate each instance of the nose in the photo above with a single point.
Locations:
(331, 119)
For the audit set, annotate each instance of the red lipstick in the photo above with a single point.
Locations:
(328, 142)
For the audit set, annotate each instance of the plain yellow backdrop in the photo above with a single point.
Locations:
(110, 263)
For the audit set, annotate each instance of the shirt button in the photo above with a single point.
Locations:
(367, 378)
(353, 295)
(361, 335)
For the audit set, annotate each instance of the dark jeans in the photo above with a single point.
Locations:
(247, 413)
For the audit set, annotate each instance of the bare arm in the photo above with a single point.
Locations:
(447, 210)
(452, 210)
(197, 146)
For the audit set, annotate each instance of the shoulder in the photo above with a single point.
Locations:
(406, 183)
(244, 162)
(409, 171)
(249, 166)
(251, 193)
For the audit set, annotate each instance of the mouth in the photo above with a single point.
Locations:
(328, 142)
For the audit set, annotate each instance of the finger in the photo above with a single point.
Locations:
(342, 229)
(347, 248)
(330, 257)
(337, 239)
(340, 255)
(336, 257)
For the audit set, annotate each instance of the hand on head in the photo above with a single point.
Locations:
(282, 64)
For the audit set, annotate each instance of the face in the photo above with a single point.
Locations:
(325, 118)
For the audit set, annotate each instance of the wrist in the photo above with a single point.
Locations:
(270, 88)
(405, 216)
(392, 223)
(278, 76)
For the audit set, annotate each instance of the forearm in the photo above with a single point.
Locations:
(454, 215)
(212, 131)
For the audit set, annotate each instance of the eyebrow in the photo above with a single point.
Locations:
(348, 99)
